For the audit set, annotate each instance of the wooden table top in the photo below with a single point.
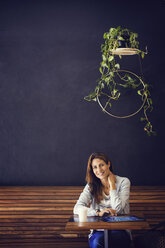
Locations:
(97, 223)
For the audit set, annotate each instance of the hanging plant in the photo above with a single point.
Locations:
(119, 42)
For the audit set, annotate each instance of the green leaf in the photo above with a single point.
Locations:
(88, 98)
(131, 80)
(120, 38)
(142, 119)
(103, 64)
(118, 95)
(107, 79)
(148, 92)
(117, 66)
(110, 58)
(94, 99)
(101, 71)
(104, 58)
(102, 85)
(103, 78)
(105, 35)
(148, 124)
(97, 88)
(150, 100)
(112, 74)
(115, 90)
(145, 107)
(112, 32)
(91, 96)
(139, 92)
(142, 55)
(124, 85)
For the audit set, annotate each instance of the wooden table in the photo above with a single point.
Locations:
(97, 223)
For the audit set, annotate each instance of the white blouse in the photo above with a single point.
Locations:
(117, 199)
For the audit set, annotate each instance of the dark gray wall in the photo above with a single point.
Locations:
(49, 60)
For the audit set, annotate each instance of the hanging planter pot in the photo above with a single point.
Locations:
(120, 41)
(125, 51)
(124, 41)
(124, 46)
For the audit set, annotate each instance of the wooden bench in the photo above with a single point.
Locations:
(36, 216)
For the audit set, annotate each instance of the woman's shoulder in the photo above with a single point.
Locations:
(122, 180)
(86, 191)
(87, 188)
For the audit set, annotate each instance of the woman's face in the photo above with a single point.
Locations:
(100, 168)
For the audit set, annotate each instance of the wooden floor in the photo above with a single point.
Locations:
(36, 216)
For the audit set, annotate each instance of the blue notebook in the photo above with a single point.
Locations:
(121, 218)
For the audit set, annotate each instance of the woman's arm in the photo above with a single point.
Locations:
(120, 198)
(84, 200)
(110, 211)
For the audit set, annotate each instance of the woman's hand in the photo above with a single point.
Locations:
(110, 211)
(112, 180)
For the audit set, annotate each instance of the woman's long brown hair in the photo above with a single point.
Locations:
(95, 184)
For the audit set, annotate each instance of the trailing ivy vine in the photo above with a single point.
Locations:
(110, 70)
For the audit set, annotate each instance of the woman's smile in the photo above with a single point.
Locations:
(100, 168)
(100, 174)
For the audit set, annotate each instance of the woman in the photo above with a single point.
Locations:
(107, 194)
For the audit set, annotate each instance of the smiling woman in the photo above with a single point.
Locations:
(98, 170)
(106, 193)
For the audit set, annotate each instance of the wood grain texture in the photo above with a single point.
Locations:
(37, 216)
(105, 225)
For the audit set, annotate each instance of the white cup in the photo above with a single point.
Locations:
(82, 212)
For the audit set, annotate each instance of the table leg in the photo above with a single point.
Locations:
(105, 238)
